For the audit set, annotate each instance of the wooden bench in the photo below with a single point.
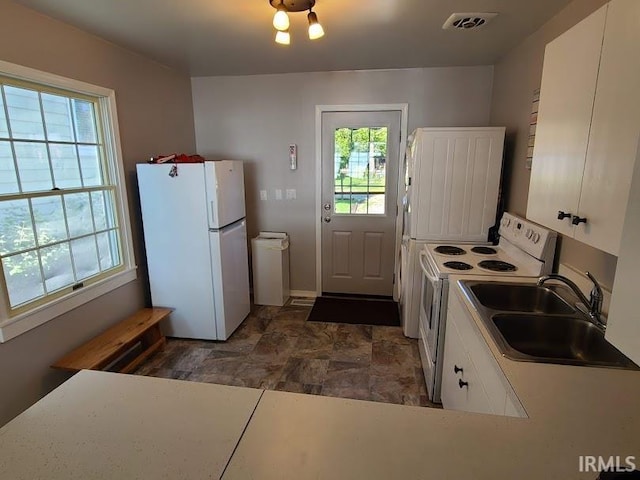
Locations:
(122, 347)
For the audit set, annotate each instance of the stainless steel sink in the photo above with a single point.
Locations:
(520, 298)
(563, 339)
(539, 324)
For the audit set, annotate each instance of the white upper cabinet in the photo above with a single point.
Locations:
(455, 182)
(588, 127)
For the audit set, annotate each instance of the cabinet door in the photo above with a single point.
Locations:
(566, 104)
(614, 130)
(457, 175)
(469, 397)
(623, 328)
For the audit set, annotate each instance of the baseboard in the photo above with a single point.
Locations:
(303, 293)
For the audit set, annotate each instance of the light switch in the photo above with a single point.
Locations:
(263, 195)
(278, 194)
(291, 193)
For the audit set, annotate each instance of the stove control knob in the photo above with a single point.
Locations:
(536, 237)
(506, 222)
(529, 233)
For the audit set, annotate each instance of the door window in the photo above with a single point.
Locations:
(360, 156)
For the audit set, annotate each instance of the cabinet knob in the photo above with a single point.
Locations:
(462, 383)
(576, 220)
(562, 215)
(457, 369)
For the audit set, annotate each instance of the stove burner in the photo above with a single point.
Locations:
(497, 266)
(457, 265)
(449, 250)
(484, 250)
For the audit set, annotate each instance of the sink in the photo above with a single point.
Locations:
(557, 339)
(520, 298)
(534, 323)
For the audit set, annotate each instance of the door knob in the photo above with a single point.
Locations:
(327, 206)
(562, 215)
(327, 219)
(576, 220)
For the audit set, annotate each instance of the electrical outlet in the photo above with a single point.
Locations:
(263, 195)
(278, 194)
(291, 193)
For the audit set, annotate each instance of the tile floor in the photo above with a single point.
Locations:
(276, 348)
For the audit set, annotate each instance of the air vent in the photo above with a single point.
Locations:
(468, 21)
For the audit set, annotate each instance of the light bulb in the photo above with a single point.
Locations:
(315, 29)
(281, 19)
(283, 37)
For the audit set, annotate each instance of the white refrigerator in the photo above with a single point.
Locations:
(196, 243)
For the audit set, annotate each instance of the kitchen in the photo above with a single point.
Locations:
(464, 96)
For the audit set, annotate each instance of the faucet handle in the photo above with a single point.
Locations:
(596, 290)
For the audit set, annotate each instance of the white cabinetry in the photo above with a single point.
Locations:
(623, 329)
(472, 379)
(455, 175)
(588, 127)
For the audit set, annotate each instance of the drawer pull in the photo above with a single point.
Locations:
(576, 220)
(562, 215)
(457, 369)
(462, 383)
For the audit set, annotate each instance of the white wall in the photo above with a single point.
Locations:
(255, 118)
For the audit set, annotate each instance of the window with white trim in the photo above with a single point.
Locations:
(63, 221)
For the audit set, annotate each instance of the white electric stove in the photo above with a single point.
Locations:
(525, 249)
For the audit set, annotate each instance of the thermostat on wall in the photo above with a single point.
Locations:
(293, 156)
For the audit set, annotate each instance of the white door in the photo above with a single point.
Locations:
(225, 192)
(360, 154)
(230, 269)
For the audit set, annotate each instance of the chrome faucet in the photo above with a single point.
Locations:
(593, 304)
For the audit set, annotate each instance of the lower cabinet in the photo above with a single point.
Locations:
(472, 380)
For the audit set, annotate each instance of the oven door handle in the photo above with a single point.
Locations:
(425, 268)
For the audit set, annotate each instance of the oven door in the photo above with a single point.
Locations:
(430, 305)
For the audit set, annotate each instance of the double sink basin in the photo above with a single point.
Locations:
(540, 324)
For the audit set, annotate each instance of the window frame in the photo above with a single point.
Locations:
(19, 321)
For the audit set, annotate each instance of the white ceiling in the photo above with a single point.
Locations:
(235, 37)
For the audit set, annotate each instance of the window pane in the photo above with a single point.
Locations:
(57, 118)
(99, 210)
(49, 218)
(359, 165)
(24, 113)
(33, 166)
(56, 264)
(375, 204)
(78, 214)
(23, 278)
(4, 131)
(64, 162)
(108, 249)
(85, 257)
(84, 119)
(16, 230)
(8, 179)
(90, 164)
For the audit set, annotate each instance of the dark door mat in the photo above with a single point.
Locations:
(356, 311)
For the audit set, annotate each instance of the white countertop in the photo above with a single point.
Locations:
(102, 425)
(572, 411)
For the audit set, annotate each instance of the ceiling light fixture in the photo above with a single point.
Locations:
(281, 19)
